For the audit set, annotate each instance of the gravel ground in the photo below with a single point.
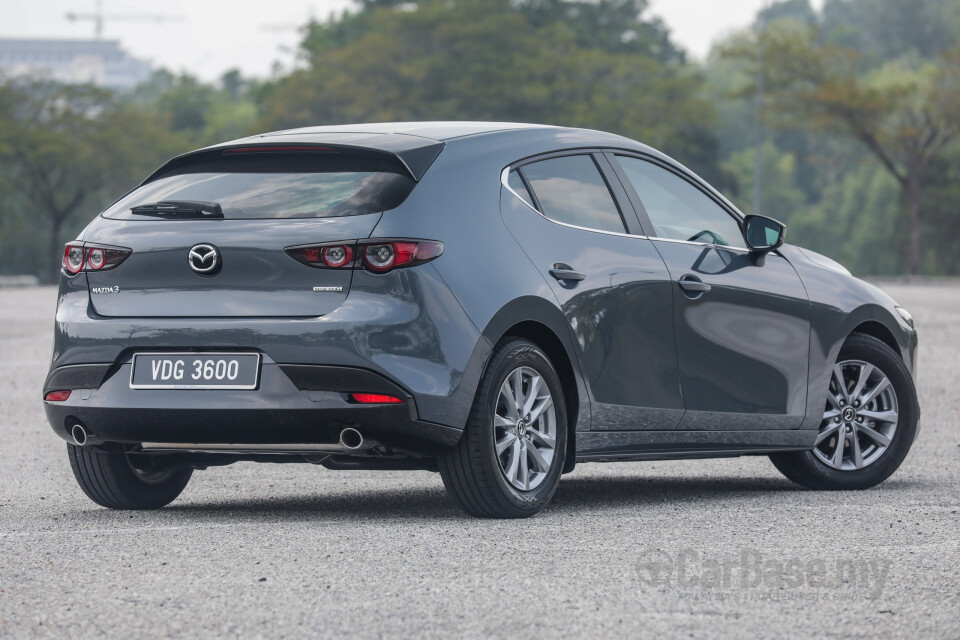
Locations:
(719, 548)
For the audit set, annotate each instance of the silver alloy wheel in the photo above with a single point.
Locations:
(860, 417)
(525, 428)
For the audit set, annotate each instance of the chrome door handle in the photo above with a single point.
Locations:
(564, 272)
(693, 284)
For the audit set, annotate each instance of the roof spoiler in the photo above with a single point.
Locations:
(414, 153)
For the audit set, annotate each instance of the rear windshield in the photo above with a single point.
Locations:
(271, 189)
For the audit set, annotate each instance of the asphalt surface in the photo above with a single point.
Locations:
(718, 548)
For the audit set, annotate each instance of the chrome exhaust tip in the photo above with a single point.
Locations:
(351, 439)
(79, 435)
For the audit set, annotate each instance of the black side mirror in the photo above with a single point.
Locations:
(762, 236)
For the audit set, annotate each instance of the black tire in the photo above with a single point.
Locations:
(804, 468)
(109, 479)
(471, 471)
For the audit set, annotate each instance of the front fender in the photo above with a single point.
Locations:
(840, 304)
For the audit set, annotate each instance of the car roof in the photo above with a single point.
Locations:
(440, 131)
(416, 144)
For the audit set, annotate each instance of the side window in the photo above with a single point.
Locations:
(516, 183)
(678, 209)
(571, 189)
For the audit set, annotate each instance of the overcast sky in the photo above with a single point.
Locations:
(210, 36)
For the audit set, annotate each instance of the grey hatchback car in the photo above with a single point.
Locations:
(496, 302)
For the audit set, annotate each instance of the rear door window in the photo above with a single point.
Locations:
(571, 190)
(516, 184)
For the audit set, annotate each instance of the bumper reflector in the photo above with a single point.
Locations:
(57, 396)
(374, 398)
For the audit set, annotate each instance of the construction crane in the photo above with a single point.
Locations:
(98, 17)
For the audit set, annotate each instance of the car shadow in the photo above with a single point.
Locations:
(575, 496)
(421, 503)
(597, 494)
(431, 503)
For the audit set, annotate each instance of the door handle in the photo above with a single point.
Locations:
(562, 271)
(693, 285)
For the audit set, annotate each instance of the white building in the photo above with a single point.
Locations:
(100, 62)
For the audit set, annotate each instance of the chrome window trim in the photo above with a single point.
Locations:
(701, 244)
(503, 182)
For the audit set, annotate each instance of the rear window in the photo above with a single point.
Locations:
(275, 186)
(570, 189)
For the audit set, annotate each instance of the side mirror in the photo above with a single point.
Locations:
(762, 235)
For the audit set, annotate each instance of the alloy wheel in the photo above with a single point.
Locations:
(525, 428)
(860, 417)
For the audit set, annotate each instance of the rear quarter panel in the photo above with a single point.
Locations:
(458, 203)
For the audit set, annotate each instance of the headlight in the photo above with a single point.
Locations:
(905, 315)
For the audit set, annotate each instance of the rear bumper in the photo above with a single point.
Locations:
(404, 326)
(294, 404)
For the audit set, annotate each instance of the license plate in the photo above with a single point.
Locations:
(195, 371)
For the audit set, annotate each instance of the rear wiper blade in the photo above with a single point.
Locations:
(179, 209)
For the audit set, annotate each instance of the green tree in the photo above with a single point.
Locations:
(781, 198)
(618, 26)
(855, 222)
(203, 113)
(941, 205)
(71, 148)
(499, 60)
(904, 114)
(884, 30)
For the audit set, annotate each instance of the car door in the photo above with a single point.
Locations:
(610, 282)
(742, 325)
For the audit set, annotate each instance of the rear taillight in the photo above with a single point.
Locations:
(338, 256)
(79, 257)
(378, 256)
(96, 258)
(73, 258)
(328, 256)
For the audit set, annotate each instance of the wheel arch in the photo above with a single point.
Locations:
(879, 322)
(830, 334)
(543, 324)
(879, 331)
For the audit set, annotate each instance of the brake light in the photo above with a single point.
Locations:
(78, 256)
(73, 258)
(57, 396)
(337, 256)
(96, 258)
(278, 149)
(374, 398)
(378, 256)
(383, 257)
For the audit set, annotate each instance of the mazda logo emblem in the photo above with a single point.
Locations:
(204, 259)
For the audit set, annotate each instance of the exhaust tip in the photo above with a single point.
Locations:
(79, 435)
(351, 438)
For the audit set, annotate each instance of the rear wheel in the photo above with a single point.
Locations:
(117, 480)
(868, 424)
(509, 460)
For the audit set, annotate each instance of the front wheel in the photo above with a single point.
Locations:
(869, 421)
(508, 462)
(118, 480)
